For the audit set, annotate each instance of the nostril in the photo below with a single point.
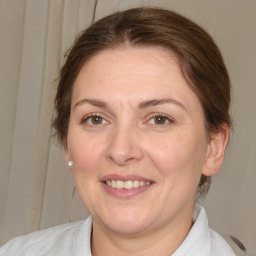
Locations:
(121, 160)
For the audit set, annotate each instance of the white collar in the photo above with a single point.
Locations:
(197, 243)
(198, 240)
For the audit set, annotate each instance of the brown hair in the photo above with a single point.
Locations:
(200, 60)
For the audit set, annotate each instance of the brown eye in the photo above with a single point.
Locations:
(160, 120)
(94, 120)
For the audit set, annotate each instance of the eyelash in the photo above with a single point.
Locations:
(86, 118)
(157, 115)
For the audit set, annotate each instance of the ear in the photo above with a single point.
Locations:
(215, 151)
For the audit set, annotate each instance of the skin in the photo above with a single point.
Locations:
(125, 138)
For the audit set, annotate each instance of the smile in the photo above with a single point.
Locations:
(129, 184)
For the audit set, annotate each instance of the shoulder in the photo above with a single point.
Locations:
(59, 239)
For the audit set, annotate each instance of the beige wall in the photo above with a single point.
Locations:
(36, 188)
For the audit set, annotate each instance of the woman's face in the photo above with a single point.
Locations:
(135, 123)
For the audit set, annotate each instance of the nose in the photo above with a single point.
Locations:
(124, 146)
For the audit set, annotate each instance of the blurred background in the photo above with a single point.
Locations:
(36, 188)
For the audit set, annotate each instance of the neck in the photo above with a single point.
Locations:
(162, 241)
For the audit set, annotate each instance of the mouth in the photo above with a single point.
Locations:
(129, 184)
(125, 187)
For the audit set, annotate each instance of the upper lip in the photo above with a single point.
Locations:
(125, 178)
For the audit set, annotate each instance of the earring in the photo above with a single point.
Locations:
(70, 163)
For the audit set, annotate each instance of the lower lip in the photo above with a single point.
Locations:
(125, 193)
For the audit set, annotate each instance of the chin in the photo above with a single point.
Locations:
(127, 228)
(125, 222)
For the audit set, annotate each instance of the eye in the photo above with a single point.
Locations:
(93, 120)
(160, 119)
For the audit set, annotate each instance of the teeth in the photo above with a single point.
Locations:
(129, 184)
(113, 184)
(136, 184)
(119, 184)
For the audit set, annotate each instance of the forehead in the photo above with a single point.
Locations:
(122, 62)
(134, 74)
(132, 58)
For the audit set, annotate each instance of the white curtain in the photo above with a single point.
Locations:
(36, 188)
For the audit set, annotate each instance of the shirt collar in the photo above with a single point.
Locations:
(82, 239)
(198, 241)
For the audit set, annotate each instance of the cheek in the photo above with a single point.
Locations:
(178, 155)
(86, 152)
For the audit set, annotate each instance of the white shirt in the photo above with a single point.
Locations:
(74, 239)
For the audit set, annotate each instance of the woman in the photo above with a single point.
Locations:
(142, 109)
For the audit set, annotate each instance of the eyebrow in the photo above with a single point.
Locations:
(156, 102)
(93, 102)
(142, 105)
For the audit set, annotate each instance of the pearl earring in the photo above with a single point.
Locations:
(70, 163)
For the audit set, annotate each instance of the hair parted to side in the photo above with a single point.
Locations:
(200, 61)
